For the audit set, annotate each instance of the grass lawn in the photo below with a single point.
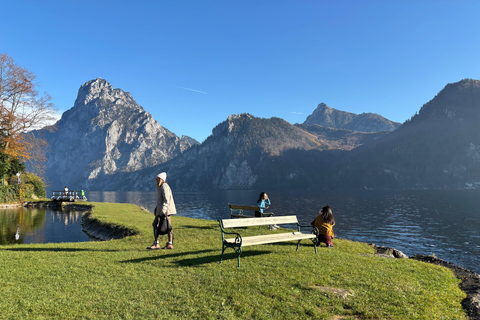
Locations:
(120, 279)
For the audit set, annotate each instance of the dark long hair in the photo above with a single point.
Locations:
(327, 215)
(261, 197)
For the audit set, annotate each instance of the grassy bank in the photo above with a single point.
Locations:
(120, 279)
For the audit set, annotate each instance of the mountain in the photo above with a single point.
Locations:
(106, 132)
(108, 142)
(243, 152)
(366, 122)
(437, 148)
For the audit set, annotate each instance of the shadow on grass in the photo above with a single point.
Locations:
(197, 260)
(57, 249)
(165, 256)
(197, 227)
(216, 258)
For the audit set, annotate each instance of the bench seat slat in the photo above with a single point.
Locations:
(272, 238)
(252, 222)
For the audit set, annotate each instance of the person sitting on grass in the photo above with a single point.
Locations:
(324, 223)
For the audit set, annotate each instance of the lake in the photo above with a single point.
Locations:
(443, 222)
(22, 225)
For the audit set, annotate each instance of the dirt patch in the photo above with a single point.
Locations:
(342, 293)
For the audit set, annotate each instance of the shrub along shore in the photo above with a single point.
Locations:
(120, 279)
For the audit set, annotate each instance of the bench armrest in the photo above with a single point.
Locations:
(314, 229)
(238, 237)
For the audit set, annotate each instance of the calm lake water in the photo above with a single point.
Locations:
(446, 223)
(22, 225)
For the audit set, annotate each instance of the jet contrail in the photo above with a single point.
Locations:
(192, 90)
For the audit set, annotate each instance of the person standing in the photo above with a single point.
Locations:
(324, 223)
(165, 208)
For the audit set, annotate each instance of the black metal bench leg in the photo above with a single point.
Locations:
(223, 250)
(298, 244)
(239, 252)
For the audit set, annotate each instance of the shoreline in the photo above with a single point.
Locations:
(470, 281)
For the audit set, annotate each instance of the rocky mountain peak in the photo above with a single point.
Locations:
(100, 89)
(107, 132)
(226, 127)
(323, 107)
(366, 122)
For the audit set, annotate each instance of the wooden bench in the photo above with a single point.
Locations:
(238, 242)
(237, 211)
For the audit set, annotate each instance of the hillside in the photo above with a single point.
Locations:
(438, 148)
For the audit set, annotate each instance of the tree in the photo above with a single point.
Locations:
(22, 109)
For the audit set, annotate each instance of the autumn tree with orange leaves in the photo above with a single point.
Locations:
(22, 109)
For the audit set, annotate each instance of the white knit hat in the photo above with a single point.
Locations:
(163, 176)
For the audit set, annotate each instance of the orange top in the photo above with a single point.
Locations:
(324, 228)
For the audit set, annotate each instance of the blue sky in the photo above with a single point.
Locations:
(193, 63)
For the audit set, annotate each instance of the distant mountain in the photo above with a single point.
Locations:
(365, 122)
(106, 132)
(190, 140)
(243, 152)
(438, 148)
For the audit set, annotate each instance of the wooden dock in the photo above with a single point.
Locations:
(71, 196)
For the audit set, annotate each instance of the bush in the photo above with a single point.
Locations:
(15, 193)
(8, 194)
(24, 191)
(38, 186)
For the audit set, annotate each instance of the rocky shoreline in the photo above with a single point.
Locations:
(104, 231)
(470, 281)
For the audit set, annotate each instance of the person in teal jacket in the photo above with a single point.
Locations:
(264, 203)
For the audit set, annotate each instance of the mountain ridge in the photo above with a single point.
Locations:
(116, 145)
(366, 122)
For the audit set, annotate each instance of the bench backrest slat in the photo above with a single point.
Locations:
(251, 222)
(240, 207)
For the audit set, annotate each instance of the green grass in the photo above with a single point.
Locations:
(120, 279)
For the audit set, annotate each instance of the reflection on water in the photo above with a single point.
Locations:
(442, 222)
(22, 225)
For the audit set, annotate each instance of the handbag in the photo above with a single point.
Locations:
(164, 226)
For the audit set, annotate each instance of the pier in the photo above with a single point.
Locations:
(71, 196)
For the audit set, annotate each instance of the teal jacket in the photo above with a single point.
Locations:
(262, 204)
